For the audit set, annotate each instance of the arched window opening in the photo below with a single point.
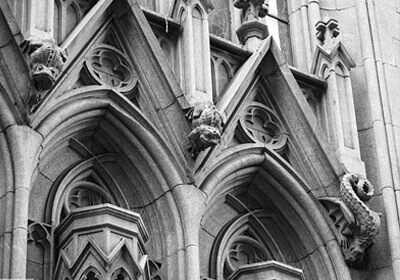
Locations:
(81, 197)
(90, 275)
(67, 15)
(120, 274)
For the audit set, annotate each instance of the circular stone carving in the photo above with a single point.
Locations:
(260, 124)
(108, 66)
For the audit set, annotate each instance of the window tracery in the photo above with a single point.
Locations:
(67, 14)
(91, 274)
(83, 194)
(242, 243)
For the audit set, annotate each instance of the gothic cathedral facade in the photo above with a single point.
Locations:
(200, 139)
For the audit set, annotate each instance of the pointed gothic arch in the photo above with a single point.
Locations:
(114, 150)
(250, 179)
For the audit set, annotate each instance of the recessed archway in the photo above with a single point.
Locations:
(253, 181)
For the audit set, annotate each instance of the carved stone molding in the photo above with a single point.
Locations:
(261, 124)
(109, 67)
(207, 124)
(357, 225)
(267, 270)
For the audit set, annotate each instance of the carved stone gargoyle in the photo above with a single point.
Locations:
(207, 124)
(357, 225)
(46, 61)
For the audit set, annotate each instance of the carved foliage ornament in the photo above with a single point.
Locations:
(207, 124)
(261, 124)
(109, 67)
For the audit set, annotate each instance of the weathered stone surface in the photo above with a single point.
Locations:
(237, 205)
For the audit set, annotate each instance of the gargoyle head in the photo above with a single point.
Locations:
(202, 137)
(46, 62)
(207, 125)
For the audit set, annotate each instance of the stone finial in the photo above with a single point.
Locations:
(327, 32)
(207, 124)
(46, 61)
(252, 31)
(252, 9)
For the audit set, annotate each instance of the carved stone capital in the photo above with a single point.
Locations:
(251, 32)
(252, 29)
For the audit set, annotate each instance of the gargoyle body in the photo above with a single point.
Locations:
(354, 190)
(357, 225)
(46, 61)
(206, 124)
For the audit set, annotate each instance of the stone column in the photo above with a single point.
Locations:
(314, 16)
(191, 203)
(22, 149)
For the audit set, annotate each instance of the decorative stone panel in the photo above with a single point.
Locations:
(101, 241)
(261, 124)
(109, 67)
